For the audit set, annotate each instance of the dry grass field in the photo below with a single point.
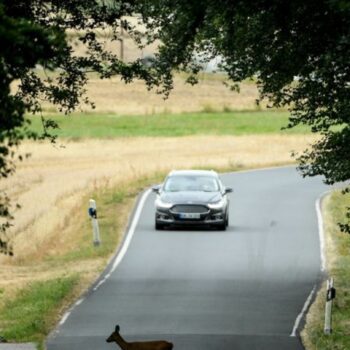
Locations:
(210, 94)
(115, 96)
(51, 184)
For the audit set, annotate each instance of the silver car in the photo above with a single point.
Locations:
(192, 197)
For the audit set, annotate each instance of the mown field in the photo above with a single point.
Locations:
(107, 126)
(129, 142)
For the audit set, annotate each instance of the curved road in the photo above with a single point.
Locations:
(203, 289)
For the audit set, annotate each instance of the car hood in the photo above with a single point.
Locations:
(190, 197)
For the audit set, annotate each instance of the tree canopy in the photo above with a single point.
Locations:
(23, 45)
(298, 53)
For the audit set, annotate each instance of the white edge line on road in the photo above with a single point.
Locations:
(294, 166)
(64, 318)
(66, 315)
(128, 238)
(322, 256)
(321, 230)
(300, 316)
(79, 302)
(120, 254)
(136, 218)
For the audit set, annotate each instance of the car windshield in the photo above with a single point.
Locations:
(191, 183)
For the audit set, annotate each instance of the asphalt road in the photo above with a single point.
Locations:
(206, 289)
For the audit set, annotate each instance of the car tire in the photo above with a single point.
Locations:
(158, 226)
(222, 227)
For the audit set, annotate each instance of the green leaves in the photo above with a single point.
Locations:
(297, 51)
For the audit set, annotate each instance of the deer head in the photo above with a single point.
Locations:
(111, 338)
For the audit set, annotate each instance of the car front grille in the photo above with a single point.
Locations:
(189, 209)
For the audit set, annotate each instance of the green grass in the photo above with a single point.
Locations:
(30, 316)
(338, 268)
(79, 126)
(32, 313)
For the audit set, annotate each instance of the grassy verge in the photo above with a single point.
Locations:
(213, 123)
(113, 207)
(338, 267)
(34, 310)
(31, 315)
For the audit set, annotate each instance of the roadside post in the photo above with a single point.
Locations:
(95, 227)
(328, 310)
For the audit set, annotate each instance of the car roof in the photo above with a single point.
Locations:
(193, 173)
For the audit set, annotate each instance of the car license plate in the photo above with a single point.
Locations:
(190, 216)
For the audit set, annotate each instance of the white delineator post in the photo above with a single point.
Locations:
(95, 228)
(328, 310)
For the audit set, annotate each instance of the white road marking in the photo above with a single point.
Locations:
(322, 256)
(131, 231)
(321, 230)
(64, 318)
(79, 302)
(121, 253)
(301, 315)
(260, 169)
(103, 280)
(66, 315)
(136, 218)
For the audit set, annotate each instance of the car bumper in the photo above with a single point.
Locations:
(212, 218)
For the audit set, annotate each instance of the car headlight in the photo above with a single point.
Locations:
(162, 205)
(217, 205)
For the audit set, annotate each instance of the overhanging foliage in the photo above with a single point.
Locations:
(297, 51)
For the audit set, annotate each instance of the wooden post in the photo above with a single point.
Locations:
(95, 227)
(328, 310)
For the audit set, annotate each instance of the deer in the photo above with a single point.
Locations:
(141, 345)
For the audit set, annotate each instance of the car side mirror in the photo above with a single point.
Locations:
(156, 188)
(228, 190)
